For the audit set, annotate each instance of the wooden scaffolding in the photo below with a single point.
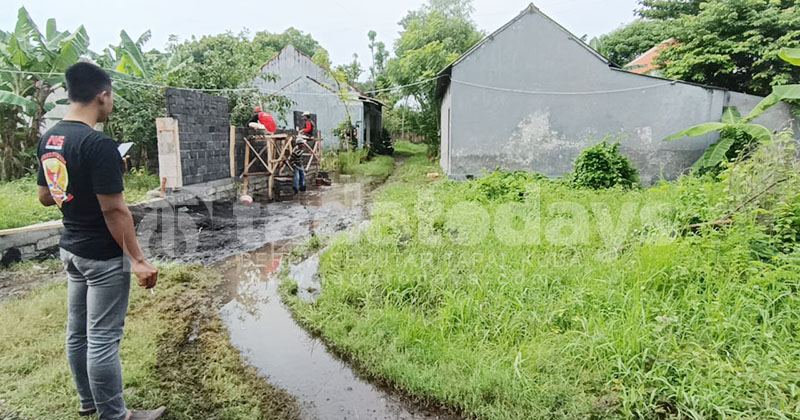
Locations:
(273, 152)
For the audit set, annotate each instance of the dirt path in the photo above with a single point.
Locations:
(262, 328)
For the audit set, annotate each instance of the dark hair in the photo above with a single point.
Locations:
(85, 81)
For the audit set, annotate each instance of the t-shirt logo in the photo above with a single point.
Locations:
(55, 143)
(55, 171)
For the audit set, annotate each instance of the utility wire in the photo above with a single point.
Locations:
(281, 92)
(138, 83)
(531, 92)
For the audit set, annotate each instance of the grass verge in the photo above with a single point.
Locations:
(515, 297)
(176, 352)
(20, 205)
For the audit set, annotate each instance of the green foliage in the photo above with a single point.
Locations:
(603, 166)
(347, 134)
(668, 9)
(628, 321)
(351, 71)
(137, 183)
(379, 57)
(20, 205)
(406, 148)
(432, 37)
(503, 186)
(24, 97)
(623, 45)
(738, 134)
(358, 162)
(735, 44)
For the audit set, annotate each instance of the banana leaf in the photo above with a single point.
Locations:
(730, 115)
(790, 55)
(714, 154)
(697, 130)
(9, 98)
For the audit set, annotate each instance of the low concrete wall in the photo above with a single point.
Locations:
(40, 241)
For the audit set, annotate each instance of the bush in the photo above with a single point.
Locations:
(603, 166)
(504, 186)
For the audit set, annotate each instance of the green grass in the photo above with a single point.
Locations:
(408, 148)
(175, 352)
(357, 162)
(19, 205)
(455, 294)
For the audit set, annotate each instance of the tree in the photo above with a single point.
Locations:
(351, 71)
(321, 58)
(624, 44)
(379, 57)
(732, 44)
(432, 37)
(35, 63)
(668, 9)
(269, 42)
(735, 44)
(228, 61)
(138, 105)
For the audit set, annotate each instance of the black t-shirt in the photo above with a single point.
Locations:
(76, 163)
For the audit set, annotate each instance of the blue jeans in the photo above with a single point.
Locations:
(97, 294)
(299, 178)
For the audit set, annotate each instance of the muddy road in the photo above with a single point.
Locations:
(249, 245)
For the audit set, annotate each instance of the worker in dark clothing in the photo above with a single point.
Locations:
(296, 160)
(308, 126)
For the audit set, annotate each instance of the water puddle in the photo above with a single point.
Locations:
(262, 328)
(264, 331)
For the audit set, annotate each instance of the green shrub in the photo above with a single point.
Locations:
(603, 166)
(504, 186)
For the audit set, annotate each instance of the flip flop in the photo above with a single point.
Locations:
(87, 412)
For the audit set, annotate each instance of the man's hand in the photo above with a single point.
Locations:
(147, 273)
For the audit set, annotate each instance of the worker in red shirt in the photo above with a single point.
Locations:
(263, 118)
(308, 126)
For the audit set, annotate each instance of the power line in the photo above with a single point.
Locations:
(531, 92)
(281, 92)
(243, 89)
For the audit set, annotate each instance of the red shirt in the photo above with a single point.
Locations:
(309, 128)
(267, 121)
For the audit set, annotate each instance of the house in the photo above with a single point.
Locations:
(531, 96)
(312, 89)
(644, 64)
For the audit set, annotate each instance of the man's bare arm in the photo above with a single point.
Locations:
(45, 197)
(120, 224)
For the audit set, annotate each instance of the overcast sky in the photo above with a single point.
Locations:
(341, 26)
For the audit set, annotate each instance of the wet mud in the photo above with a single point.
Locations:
(209, 232)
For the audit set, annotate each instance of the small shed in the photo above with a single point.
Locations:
(312, 89)
(531, 96)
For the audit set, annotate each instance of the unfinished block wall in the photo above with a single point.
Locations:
(204, 134)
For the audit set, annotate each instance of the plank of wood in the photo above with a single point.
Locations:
(232, 151)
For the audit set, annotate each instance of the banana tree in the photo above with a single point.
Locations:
(32, 66)
(732, 119)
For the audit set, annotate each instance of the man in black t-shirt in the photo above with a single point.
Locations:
(80, 172)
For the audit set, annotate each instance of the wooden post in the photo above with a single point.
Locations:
(246, 168)
(270, 168)
(232, 151)
(169, 152)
